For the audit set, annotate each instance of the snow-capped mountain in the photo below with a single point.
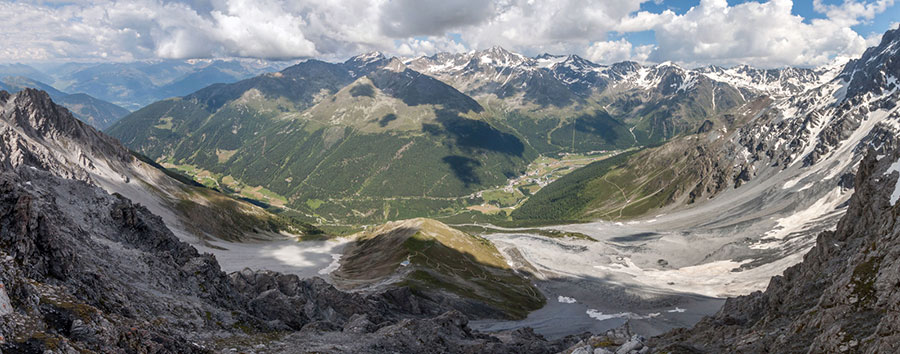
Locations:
(800, 153)
(497, 72)
(846, 113)
(779, 175)
(777, 83)
(502, 73)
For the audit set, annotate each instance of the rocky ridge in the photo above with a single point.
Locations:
(36, 132)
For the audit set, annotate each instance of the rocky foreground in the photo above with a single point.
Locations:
(82, 270)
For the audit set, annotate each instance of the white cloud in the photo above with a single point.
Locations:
(609, 52)
(848, 13)
(417, 47)
(402, 18)
(535, 26)
(152, 28)
(761, 34)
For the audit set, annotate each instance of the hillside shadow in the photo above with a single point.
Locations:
(390, 117)
(547, 93)
(364, 90)
(472, 135)
(414, 88)
(463, 168)
(600, 124)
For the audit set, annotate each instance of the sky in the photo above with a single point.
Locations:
(760, 33)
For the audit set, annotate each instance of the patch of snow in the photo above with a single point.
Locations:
(304, 259)
(566, 300)
(676, 309)
(710, 279)
(335, 264)
(895, 195)
(549, 62)
(600, 316)
(799, 220)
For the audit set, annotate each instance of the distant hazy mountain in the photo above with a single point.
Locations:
(136, 84)
(24, 71)
(96, 112)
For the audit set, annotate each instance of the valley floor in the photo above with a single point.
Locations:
(659, 273)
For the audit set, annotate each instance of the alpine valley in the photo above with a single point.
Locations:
(474, 202)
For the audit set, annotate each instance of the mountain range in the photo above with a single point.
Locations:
(816, 136)
(377, 138)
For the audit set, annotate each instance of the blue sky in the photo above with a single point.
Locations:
(692, 32)
(878, 25)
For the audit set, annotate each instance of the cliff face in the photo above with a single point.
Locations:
(843, 297)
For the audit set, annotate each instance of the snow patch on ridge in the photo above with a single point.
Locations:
(895, 195)
(566, 300)
(600, 316)
(798, 220)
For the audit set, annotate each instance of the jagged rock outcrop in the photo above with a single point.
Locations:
(85, 270)
(843, 297)
(36, 132)
(616, 341)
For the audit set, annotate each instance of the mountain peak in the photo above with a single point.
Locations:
(365, 63)
(39, 108)
(367, 58)
(499, 56)
(549, 56)
(31, 95)
(395, 64)
(579, 61)
(668, 64)
(498, 49)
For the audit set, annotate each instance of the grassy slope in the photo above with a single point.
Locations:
(440, 258)
(209, 213)
(424, 154)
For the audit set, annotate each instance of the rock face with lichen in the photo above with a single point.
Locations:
(843, 297)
